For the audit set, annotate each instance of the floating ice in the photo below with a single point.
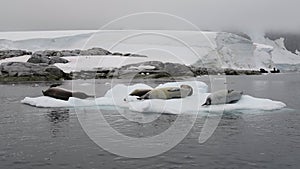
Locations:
(192, 104)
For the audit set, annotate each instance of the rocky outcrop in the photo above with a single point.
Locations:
(146, 70)
(127, 54)
(53, 56)
(22, 71)
(199, 71)
(95, 51)
(154, 69)
(77, 52)
(13, 53)
(46, 59)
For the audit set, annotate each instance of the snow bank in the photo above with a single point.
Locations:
(192, 104)
(16, 59)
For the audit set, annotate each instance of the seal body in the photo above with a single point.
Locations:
(139, 92)
(169, 93)
(223, 97)
(63, 94)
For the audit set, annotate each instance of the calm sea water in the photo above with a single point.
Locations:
(53, 138)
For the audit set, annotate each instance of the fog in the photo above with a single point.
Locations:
(26, 15)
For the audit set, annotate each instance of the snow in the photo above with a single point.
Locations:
(115, 97)
(263, 47)
(209, 49)
(142, 67)
(280, 55)
(78, 63)
(25, 35)
(16, 59)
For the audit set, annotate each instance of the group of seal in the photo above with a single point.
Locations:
(218, 97)
(63, 94)
(163, 93)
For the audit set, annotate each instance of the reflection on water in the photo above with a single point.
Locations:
(56, 117)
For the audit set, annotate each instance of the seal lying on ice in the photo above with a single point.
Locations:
(63, 94)
(164, 93)
(223, 97)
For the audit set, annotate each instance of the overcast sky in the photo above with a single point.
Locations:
(16, 15)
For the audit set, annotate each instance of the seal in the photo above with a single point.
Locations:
(64, 94)
(168, 93)
(223, 97)
(139, 92)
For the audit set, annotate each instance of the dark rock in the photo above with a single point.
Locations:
(160, 70)
(57, 59)
(275, 70)
(117, 54)
(77, 52)
(127, 54)
(95, 51)
(199, 71)
(263, 70)
(30, 71)
(13, 53)
(251, 72)
(36, 58)
(230, 72)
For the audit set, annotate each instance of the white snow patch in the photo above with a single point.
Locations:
(142, 67)
(23, 35)
(16, 59)
(78, 63)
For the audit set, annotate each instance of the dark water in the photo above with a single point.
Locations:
(53, 138)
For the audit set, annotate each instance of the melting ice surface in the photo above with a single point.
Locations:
(115, 97)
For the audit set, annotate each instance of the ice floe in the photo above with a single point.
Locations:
(119, 96)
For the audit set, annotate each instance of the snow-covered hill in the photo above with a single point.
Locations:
(208, 49)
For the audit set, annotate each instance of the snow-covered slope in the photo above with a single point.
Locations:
(208, 49)
(280, 55)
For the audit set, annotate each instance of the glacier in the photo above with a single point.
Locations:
(205, 49)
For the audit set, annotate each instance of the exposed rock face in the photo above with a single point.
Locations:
(155, 69)
(13, 53)
(77, 52)
(53, 56)
(30, 71)
(198, 71)
(146, 70)
(95, 51)
(46, 59)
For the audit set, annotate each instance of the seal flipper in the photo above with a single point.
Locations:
(208, 102)
(55, 85)
(229, 91)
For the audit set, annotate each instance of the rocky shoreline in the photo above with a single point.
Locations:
(39, 67)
